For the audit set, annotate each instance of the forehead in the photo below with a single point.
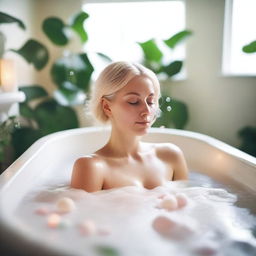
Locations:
(139, 84)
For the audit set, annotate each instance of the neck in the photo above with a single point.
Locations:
(123, 145)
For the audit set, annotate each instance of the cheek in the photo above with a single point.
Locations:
(125, 113)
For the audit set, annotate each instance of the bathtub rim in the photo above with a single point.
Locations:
(38, 145)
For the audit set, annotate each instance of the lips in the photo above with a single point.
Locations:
(143, 123)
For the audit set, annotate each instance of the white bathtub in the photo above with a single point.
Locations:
(50, 160)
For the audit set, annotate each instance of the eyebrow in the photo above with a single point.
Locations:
(135, 93)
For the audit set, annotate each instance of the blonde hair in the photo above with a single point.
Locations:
(112, 79)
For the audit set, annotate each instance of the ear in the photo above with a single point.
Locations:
(106, 106)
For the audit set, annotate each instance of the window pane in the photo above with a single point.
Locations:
(239, 31)
(114, 28)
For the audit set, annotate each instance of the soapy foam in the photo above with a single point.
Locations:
(126, 219)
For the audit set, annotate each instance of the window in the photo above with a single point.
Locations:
(115, 27)
(239, 30)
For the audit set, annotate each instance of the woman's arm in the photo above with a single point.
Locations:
(180, 166)
(87, 174)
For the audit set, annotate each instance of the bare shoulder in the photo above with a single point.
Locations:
(173, 155)
(88, 173)
(168, 150)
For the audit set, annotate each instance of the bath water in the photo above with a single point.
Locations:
(120, 221)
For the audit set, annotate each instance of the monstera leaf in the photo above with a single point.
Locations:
(34, 52)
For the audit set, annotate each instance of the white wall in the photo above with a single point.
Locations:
(219, 106)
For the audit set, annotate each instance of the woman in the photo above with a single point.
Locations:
(126, 95)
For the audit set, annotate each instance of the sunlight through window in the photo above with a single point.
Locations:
(240, 20)
(114, 28)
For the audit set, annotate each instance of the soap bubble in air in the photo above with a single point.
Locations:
(169, 108)
(168, 99)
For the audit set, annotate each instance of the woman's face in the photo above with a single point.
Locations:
(134, 107)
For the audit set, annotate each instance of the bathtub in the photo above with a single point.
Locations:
(50, 160)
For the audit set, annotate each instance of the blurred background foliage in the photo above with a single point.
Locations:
(71, 73)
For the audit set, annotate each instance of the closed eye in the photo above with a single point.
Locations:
(134, 103)
(137, 103)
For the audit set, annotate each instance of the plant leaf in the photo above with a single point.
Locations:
(104, 57)
(77, 24)
(68, 97)
(54, 28)
(177, 116)
(2, 44)
(33, 92)
(75, 69)
(250, 48)
(248, 136)
(23, 138)
(26, 110)
(6, 18)
(173, 68)
(52, 117)
(35, 53)
(151, 51)
(177, 38)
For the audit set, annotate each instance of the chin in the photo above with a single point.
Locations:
(143, 131)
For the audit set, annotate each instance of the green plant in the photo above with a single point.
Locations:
(32, 51)
(44, 113)
(71, 73)
(248, 133)
(248, 136)
(174, 112)
(6, 129)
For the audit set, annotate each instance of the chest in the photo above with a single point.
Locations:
(149, 173)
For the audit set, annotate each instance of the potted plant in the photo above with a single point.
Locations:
(72, 74)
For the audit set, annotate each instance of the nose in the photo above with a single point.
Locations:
(145, 112)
